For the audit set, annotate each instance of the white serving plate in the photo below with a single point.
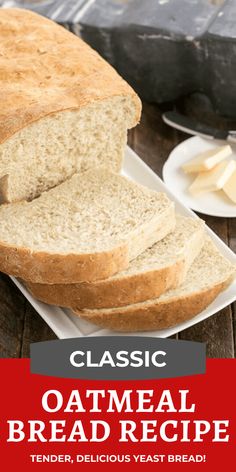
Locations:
(212, 203)
(66, 325)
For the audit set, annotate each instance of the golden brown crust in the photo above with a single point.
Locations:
(112, 292)
(4, 189)
(155, 316)
(49, 268)
(50, 70)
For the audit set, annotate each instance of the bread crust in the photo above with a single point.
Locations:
(56, 72)
(124, 289)
(53, 268)
(59, 268)
(49, 268)
(4, 189)
(159, 315)
(111, 292)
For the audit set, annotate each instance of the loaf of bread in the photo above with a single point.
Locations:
(63, 108)
(85, 229)
(159, 268)
(208, 276)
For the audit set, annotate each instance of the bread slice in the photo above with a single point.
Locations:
(85, 229)
(159, 268)
(63, 108)
(208, 276)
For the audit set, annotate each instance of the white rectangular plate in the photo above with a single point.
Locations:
(66, 325)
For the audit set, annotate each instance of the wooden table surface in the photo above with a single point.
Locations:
(21, 325)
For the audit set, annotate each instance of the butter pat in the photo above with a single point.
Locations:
(214, 179)
(207, 160)
(230, 187)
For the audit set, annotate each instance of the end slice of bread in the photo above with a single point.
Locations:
(159, 268)
(87, 228)
(208, 276)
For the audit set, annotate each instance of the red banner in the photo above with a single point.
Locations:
(54, 423)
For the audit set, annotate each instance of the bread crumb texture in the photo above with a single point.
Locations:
(89, 213)
(63, 108)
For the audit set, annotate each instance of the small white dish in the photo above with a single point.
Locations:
(212, 203)
(67, 325)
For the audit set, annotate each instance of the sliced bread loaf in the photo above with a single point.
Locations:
(208, 276)
(159, 268)
(63, 108)
(85, 229)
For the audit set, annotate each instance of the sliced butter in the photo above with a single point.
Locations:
(230, 187)
(214, 179)
(207, 160)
